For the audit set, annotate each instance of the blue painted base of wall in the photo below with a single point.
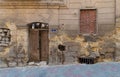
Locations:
(77, 70)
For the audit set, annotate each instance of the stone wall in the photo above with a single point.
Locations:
(105, 14)
(101, 48)
(67, 14)
(69, 17)
(16, 53)
(117, 13)
(117, 28)
(15, 15)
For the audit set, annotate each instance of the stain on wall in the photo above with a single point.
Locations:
(102, 48)
(17, 50)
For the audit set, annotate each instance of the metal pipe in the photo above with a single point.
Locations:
(115, 13)
(115, 7)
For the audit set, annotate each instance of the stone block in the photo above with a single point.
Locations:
(69, 17)
(75, 5)
(68, 11)
(2, 64)
(75, 1)
(105, 10)
(12, 64)
(106, 15)
(103, 4)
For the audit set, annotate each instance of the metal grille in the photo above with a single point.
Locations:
(87, 60)
(5, 37)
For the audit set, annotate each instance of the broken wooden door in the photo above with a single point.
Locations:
(88, 21)
(38, 45)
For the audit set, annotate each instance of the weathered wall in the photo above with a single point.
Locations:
(21, 17)
(65, 16)
(69, 20)
(105, 14)
(117, 28)
(17, 50)
(117, 13)
(102, 48)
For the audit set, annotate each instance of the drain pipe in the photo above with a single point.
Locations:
(115, 11)
(114, 54)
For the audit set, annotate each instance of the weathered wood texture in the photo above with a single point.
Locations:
(88, 21)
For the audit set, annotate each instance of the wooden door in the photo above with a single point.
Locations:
(38, 45)
(88, 21)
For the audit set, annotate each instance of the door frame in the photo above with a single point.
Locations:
(96, 26)
(29, 51)
(39, 44)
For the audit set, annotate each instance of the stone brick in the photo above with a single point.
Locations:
(105, 4)
(106, 10)
(75, 6)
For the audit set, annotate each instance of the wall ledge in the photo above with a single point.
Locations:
(37, 4)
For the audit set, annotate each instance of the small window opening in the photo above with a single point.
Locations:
(5, 36)
(86, 60)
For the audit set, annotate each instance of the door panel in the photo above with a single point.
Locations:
(44, 45)
(34, 45)
(88, 21)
